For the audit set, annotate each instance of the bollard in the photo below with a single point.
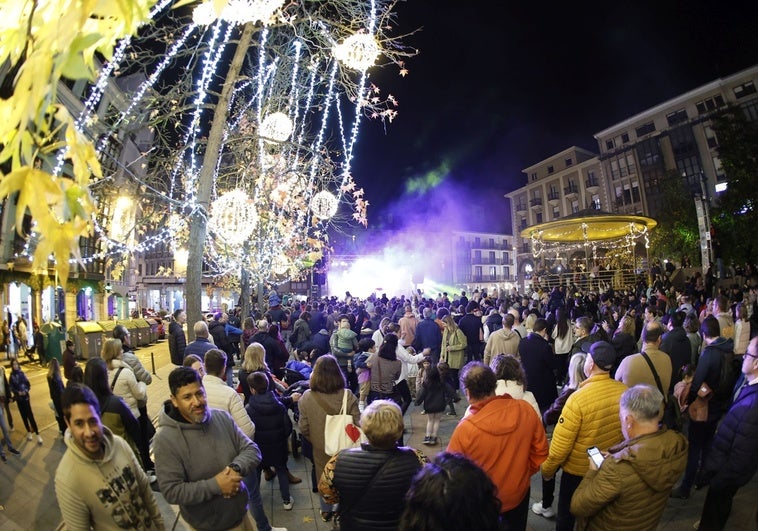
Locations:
(152, 361)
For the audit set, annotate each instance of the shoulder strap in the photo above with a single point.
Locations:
(655, 375)
(113, 383)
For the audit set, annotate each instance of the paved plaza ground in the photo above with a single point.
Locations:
(27, 494)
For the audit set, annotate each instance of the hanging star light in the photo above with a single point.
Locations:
(358, 51)
(324, 204)
(233, 217)
(276, 127)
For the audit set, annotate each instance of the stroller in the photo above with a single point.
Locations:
(294, 382)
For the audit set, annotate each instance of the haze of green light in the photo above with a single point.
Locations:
(426, 182)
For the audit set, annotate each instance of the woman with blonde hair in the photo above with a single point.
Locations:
(121, 378)
(370, 482)
(254, 360)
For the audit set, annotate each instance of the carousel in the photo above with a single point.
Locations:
(589, 237)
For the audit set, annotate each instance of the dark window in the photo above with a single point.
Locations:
(625, 137)
(677, 117)
(745, 89)
(649, 153)
(539, 217)
(609, 144)
(645, 129)
(569, 162)
(550, 169)
(750, 108)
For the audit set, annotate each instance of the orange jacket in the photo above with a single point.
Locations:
(505, 437)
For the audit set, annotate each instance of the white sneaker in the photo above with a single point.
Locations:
(29, 436)
(39, 439)
(278, 529)
(537, 508)
(288, 504)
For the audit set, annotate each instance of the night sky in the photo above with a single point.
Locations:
(495, 89)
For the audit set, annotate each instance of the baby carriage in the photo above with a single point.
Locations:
(294, 382)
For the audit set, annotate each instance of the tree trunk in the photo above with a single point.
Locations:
(199, 221)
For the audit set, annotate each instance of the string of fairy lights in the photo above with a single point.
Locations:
(298, 181)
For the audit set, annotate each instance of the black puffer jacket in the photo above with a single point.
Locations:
(378, 508)
(272, 427)
(220, 339)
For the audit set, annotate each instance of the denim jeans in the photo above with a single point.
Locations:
(255, 503)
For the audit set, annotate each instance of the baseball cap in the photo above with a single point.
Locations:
(602, 352)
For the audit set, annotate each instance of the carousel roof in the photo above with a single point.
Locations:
(589, 225)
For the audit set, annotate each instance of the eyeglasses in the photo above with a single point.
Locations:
(751, 355)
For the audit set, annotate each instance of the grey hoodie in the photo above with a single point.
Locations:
(188, 456)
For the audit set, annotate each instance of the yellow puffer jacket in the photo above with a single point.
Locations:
(589, 418)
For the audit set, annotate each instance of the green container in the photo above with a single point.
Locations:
(54, 340)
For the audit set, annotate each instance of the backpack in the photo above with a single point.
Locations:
(730, 368)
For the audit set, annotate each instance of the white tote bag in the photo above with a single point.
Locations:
(339, 431)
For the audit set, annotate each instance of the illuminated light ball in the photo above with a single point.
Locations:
(204, 14)
(358, 51)
(276, 127)
(233, 217)
(324, 204)
(280, 264)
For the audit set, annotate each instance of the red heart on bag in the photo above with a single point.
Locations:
(353, 432)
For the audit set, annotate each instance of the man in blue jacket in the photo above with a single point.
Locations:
(733, 459)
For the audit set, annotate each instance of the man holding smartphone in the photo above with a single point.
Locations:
(629, 489)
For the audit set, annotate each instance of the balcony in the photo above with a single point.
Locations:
(592, 185)
(553, 198)
(520, 207)
(571, 191)
(536, 204)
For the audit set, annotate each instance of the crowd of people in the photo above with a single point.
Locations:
(659, 383)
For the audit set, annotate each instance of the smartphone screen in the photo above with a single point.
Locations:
(596, 456)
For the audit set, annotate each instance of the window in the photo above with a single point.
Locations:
(533, 176)
(569, 162)
(609, 144)
(478, 257)
(745, 89)
(523, 224)
(506, 258)
(636, 192)
(574, 206)
(750, 108)
(507, 272)
(493, 273)
(645, 129)
(478, 272)
(477, 242)
(595, 202)
(556, 212)
(677, 117)
(550, 169)
(492, 259)
(720, 174)
(709, 104)
(625, 137)
(492, 243)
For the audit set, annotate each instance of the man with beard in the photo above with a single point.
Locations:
(201, 458)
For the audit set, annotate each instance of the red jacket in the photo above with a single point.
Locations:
(505, 437)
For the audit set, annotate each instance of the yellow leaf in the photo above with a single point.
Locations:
(61, 241)
(36, 189)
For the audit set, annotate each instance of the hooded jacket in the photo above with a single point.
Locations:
(506, 439)
(504, 341)
(677, 345)
(631, 489)
(189, 455)
(110, 494)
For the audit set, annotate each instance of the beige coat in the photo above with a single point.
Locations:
(313, 420)
(635, 370)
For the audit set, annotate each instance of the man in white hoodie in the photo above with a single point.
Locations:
(99, 483)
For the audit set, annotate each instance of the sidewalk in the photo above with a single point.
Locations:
(27, 493)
